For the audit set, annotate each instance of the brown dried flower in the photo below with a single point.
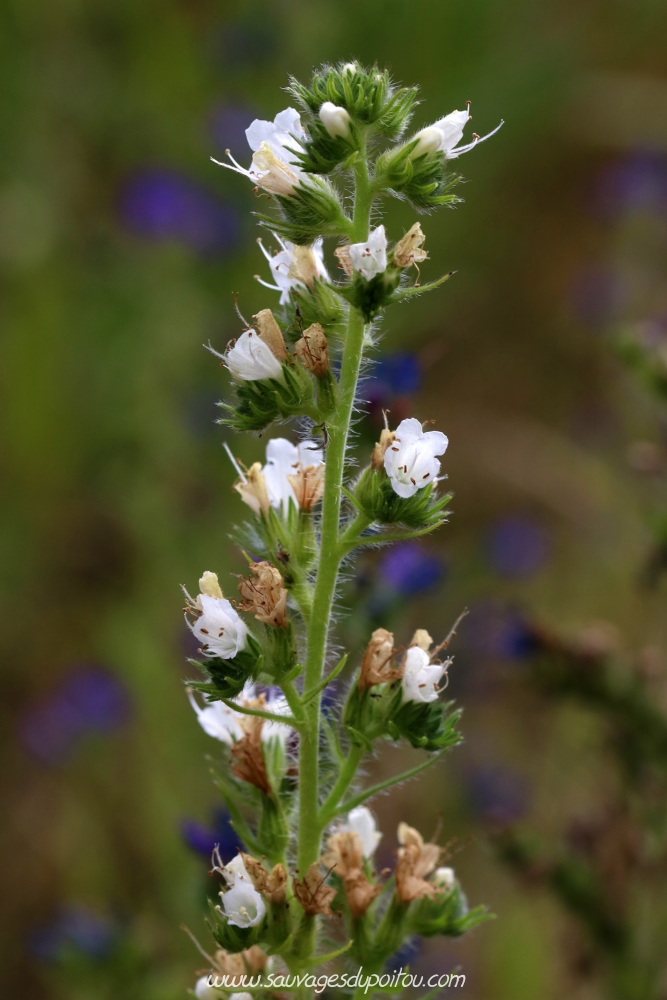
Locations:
(308, 485)
(270, 333)
(312, 350)
(253, 489)
(265, 596)
(312, 892)
(359, 892)
(272, 885)
(251, 960)
(415, 860)
(408, 250)
(376, 667)
(344, 259)
(422, 639)
(247, 757)
(386, 440)
(345, 852)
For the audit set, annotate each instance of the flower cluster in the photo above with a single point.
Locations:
(289, 772)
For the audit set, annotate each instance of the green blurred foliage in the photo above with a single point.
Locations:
(117, 489)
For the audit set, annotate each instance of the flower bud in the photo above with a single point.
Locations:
(336, 120)
(376, 667)
(429, 141)
(265, 596)
(253, 489)
(312, 350)
(386, 439)
(408, 250)
(270, 333)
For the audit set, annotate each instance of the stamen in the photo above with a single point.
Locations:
(234, 462)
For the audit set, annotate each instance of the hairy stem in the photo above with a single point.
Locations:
(331, 554)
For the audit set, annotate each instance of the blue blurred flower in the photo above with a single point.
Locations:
(165, 205)
(518, 545)
(497, 630)
(88, 700)
(408, 569)
(636, 182)
(393, 375)
(496, 793)
(202, 839)
(75, 927)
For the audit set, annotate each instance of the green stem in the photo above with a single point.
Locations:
(338, 426)
(345, 779)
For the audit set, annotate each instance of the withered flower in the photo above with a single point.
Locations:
(377, 667)
(408, 250)
(422, 639)
(312, 892)
(270, 333)
(344, 853)
(386, 440)
(272, 885)
(247, 757)
(359, 892)
(308, 485)
(251, 960)
(415, 860)
(265, 596)
(253, 489)
(312, 350)
(344, 259)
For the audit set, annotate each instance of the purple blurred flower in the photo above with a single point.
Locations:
(75, 927)
(596, 294)
(408, 569)
(88, 700)
(202, 839)
(226, 126)
(496, 793)
(636, 182)
(165, 205)
(497, 630)
(518, 546)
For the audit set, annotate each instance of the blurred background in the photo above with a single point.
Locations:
(120, 247)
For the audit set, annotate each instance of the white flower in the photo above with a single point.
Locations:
(218, 721)
(242, 904)
(336, 120)
(282, 460)
(293, 267)
(204, 991)
(275, 148)
(250, 358)
(362, 821)
(444, 879)
(218, 626)
(223, 723)
(410, 461)
(370, 258)
(421, 677)
(234, 870)
(443, 135)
